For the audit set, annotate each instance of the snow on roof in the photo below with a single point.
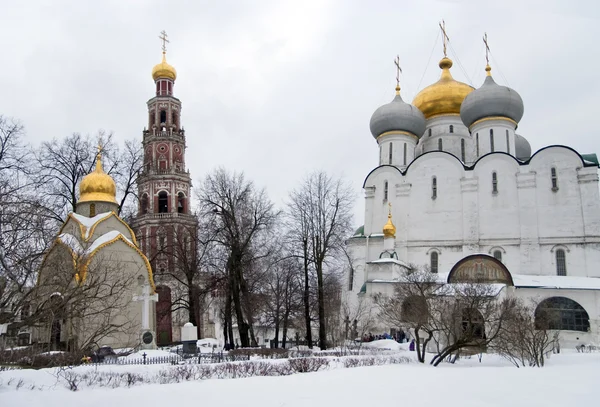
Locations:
(388, 260)
(107, 237)
(557, 282)
(74, 244)
(89, 222)
(71, 241)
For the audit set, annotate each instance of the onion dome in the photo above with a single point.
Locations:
(491, 100)
(164, 70)
(522, 148)
(397, 116)
(389, 230)
(443, 97)
(98, 186)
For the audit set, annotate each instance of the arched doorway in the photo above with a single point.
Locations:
(561, 313)
(164, 325)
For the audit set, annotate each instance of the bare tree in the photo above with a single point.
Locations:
(128, 165)
(319, 216)
(469, 316)
(62, 164)
(239, 215)
(25, 229)
(525, 338)
(190, 247)
(412, 305)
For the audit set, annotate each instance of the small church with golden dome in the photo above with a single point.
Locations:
(95, 285)
(459, 192)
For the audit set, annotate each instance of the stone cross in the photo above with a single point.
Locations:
(146, 296)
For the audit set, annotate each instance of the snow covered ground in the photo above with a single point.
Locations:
(568, 379)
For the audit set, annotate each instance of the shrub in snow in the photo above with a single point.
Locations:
(305, 365)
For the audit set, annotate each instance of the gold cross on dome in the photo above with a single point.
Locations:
(398, 71)
(163, 37)
(445, 37)
(390, 209)
(487, 49)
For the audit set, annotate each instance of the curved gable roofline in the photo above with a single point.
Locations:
(82, 227)
(561, 146)
(378, 167)
(472, 167)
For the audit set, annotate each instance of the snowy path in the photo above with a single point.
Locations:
(568, 380)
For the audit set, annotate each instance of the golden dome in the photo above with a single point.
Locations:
(98, 186)
(389, 230)
(443, 97)
(164, 70)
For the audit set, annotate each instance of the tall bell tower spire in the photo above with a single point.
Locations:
(164, 221)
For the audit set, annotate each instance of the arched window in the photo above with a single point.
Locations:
(507, 143)
(433, 262)
(428, 132)
(144, 204)
(152, 119)
(180, 203)
(440, 147)
(462, 149)
(433, 188)
(554, 179)
(174, 119)
(561, 313)
(390, 154)
(451, 129)
(385, 191)
(561, 263)
(163, 116)
(494, 183)
(163, 202)
(492, 140)
(404, 153)
(351, 278)
(498, 255)
(477, 145)
(92, 210)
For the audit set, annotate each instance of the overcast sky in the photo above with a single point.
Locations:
(279, 88)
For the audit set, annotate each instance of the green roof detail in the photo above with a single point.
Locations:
(360, 231)
(590, 157)
(363, 289)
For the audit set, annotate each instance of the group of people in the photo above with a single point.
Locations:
(398, 336)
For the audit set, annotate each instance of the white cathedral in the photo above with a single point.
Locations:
(459, 191)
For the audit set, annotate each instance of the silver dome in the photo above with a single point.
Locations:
(399, 116)
(522, 148)
(491, 100)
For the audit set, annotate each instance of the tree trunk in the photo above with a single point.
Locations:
(228, 323)
(276, 338)
(306, 298)
(321, 299)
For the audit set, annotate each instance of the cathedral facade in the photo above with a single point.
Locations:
(458, 190)
(165, 226)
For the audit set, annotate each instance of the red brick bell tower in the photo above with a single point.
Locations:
(164, 222)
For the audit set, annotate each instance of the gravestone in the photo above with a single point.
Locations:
(189, 338)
